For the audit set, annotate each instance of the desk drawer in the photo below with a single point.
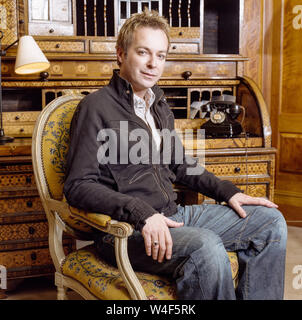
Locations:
(22, 130)
(184, 48)
(62, 46)
(19, 205)
(199, 70)
(25, 180)
(239, 169)
(20, 117)
(105, 47)
(25, 258)
(23, 231)
(24, 263)
(19, 124)
(185, 33)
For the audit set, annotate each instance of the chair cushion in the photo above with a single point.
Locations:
(105, 282)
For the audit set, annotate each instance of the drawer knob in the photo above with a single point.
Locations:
(51, 30)
(29, 203)
(237, 169)
(33, 256)
(17, 117)
(174, 47)
(180, 33)
(186, 75)
(31, 230)
(22, 130)
(58, 45)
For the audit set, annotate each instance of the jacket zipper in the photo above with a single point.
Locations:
(156, 173)
(164, 192)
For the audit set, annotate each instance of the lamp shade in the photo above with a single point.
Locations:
(30, 58)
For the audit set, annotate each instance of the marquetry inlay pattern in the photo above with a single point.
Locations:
(8, 21)
(255, 190)
(185, 33)
(25, 258)
(17, 180)
(23, 225)
(16, 168)
(17, 117)
(184, 48)
(62, 46)
(102, 46)
(27, 204)
(23, 231)
(24, 130)
(201, 70)
(237, 169)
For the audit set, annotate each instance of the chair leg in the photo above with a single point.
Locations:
(61, 289)
(61, 293)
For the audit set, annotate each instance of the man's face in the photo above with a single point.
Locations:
(143, 63)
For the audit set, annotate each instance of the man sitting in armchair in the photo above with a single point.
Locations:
(189, 243)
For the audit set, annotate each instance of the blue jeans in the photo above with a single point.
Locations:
(200, 264)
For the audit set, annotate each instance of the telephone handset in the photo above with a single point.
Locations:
(222, 112)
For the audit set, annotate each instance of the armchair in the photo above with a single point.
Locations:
(83, 270)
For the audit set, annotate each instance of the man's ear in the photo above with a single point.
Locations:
(120, 55)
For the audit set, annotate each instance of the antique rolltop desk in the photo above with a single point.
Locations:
(78, 37)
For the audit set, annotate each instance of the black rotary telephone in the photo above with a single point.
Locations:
(222, 112)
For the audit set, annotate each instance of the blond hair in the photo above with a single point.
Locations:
(150, 19)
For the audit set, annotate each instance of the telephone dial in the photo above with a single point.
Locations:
(222, 112)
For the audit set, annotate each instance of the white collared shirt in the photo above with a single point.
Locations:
(142, 110)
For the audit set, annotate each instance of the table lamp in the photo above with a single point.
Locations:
(30, 59)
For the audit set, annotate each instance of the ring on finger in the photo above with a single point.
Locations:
(155, 243)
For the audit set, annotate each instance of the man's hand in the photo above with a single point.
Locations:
(240, 199)
(157, 236)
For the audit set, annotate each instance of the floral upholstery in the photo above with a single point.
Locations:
(55, 144)
(84, 265)
(105, 283)
(55, 147)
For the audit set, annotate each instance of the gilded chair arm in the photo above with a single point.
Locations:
(103, 222)
(121, 231)
(98, 221)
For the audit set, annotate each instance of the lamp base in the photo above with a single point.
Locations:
(4, 139)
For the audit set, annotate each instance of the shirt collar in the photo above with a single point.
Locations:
(144, 103)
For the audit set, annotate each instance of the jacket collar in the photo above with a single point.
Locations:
(125, 91)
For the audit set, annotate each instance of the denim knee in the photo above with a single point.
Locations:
(278, 225)
(206, 274)
(204, 241)
(273, 227)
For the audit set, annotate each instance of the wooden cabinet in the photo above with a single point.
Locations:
(23, 226)
(252, 171)
(50, 17)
